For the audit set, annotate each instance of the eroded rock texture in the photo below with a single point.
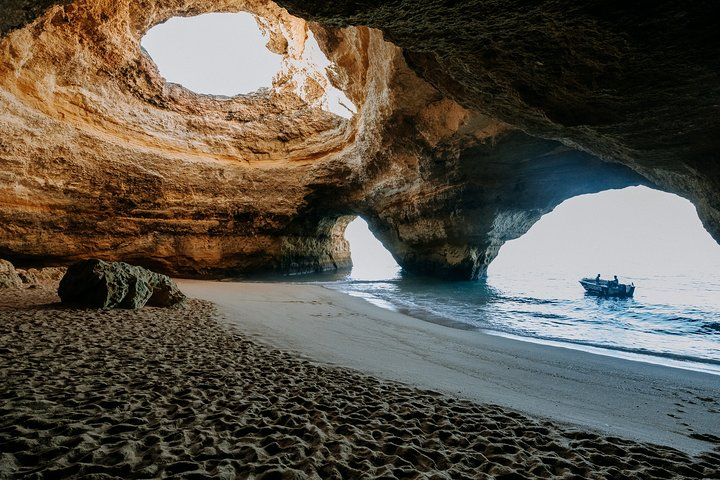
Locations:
(96, 284)
(9, 277)
(474, 119)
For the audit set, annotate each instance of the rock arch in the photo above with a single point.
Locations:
(466, 133)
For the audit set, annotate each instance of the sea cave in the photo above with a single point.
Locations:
(450, 128)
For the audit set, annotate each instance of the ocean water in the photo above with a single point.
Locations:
(652, 239)
(670, 320)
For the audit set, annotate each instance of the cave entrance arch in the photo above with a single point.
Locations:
(371, 260)
(636, 233)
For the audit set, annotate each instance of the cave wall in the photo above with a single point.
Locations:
(454, 222)
(474, 119)
(630, 82)
(101, 157)
(18, 13)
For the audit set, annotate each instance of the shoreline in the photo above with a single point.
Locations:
(673, 361)
(615, 396)
(650, 359)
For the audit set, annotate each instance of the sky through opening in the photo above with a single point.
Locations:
(634, 232)
(215, 53)
(225, 54)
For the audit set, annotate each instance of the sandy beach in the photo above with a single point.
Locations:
(257, 386)
(641, 401)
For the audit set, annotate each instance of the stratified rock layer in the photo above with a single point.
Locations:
(474, 119)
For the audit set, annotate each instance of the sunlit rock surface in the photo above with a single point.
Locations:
(474, 119)
(9, 278)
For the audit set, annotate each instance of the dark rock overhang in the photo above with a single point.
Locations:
(487, 116)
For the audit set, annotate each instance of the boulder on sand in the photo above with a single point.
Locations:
(8, 276)
(98, 284)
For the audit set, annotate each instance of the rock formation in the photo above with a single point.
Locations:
(9, 278)
(36, 277)
(474, 119)
(97, 284)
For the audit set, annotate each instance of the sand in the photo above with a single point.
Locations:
(617, 397)
(186, 393)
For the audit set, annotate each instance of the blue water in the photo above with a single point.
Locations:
(670, 317)
(650, 238)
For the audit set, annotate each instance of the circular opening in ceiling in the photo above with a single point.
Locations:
(215, 53)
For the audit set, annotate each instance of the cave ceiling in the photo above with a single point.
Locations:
(473, 120)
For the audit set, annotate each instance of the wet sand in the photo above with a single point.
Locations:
(188, 393)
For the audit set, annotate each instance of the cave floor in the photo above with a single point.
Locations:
(157, 393)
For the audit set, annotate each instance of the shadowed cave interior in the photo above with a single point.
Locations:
(134, 168)
(459, 126)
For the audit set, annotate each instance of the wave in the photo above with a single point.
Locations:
(637, 327)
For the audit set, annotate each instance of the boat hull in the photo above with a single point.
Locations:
(604, 288)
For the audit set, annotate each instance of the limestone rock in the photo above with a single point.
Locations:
(8, 276)
(473, 120)
(16, 13)
(31, 277)
(165, 292)
(46, 275)
(28, 278)
(98, 284)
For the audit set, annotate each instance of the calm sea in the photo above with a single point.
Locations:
(650, 238)
(672, 320)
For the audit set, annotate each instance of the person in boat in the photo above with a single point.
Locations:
(597, 279)
(615, 280)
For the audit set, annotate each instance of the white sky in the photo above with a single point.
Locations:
(371, 261)
(215, 53)
(636, 230)
(225, 54)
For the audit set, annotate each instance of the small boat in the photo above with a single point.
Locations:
(607, 288)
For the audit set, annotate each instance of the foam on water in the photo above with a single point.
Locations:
(649, 324)
(650, 238)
